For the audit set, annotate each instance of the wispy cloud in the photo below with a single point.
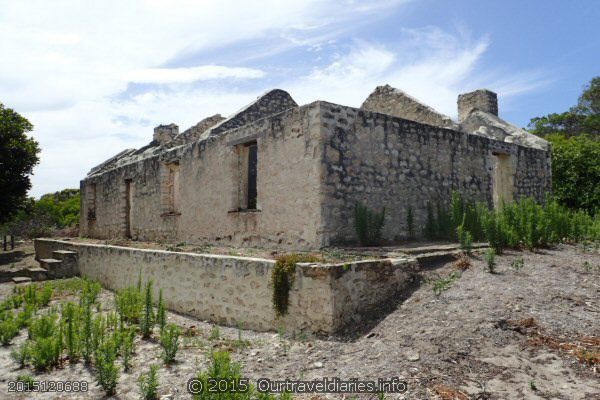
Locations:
(192, 74)
(94, 78)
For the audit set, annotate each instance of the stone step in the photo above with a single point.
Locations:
(63, 254)
(37, 273)
(50, 264)
(21, 279)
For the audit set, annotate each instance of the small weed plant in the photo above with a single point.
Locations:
(490, 260)
(169, 340)
(368, 225)
(149, 384)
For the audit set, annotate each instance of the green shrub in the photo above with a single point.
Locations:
(89, 293)
(576, 171)
(169, 340)
(86, 342)
(442, 284)
(24, 316)
(368, 225)
(464, 236)
(147, 322)
(429, 231)
(149, 384)
(46, 341)
(20, 355)
(27, 380)
(129, 304)
(44, 326)
(9, 328)
(127, 346)
(45, 295)
(215, 333)
(490, 260)
(30, 295)
(161, 314)
(283, 279)
(106, 370)
(70, 319)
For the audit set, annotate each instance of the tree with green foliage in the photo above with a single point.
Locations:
(18, 156)
(584, 118)
(575, 139)
(41, 217)
(576, 171)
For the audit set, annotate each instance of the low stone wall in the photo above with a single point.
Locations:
(237, 290)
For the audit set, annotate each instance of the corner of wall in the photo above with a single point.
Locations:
(317, 129)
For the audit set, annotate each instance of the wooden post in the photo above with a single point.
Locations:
(12, 242)
(4, 242)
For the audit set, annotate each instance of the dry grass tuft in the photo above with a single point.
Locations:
(462, 263)
(585, 349)
(448, 393)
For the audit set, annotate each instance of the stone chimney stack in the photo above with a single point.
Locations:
(165, 133)
(481, 99)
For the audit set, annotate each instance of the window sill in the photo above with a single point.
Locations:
(244, 210)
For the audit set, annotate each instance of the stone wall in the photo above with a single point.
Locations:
(233, 290)
(210, 176)
(315, 163)
(391, 101)
(382, 161)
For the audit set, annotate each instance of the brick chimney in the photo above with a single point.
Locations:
(165, 133)
(481, 99)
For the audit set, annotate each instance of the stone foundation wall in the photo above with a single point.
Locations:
(383, 161)
(233, 290)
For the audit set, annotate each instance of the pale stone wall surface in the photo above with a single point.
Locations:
(382, 161)
(237, 290)
(391, 101)
(210, 174)
(315, 163)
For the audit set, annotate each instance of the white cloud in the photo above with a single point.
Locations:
(180, 75)
(68, 67)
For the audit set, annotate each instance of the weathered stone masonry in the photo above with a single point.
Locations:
(314, 162)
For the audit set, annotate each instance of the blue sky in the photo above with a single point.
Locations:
(95, 78)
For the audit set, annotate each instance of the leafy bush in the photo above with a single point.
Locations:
(147, 321)
(107, 372)
(70, 319)
(127, 346)
(368, 225)
(9, 328)
(169, 340)
(149, 384)
(490, 260)
(283, 279)
(45, 295)
(42, 217)
(89, 293)
(221, 367)
(46, 336)
(161, 314)
(20, 355)
(129, 304)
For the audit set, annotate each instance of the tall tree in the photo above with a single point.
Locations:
(584, 118)
(18, 156)
(575, 139)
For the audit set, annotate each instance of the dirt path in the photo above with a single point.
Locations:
(508, 335)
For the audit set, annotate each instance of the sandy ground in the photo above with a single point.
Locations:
(507, 335)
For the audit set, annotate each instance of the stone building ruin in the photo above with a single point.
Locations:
(276, 174)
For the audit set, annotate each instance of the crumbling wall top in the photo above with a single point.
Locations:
(388, 100)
